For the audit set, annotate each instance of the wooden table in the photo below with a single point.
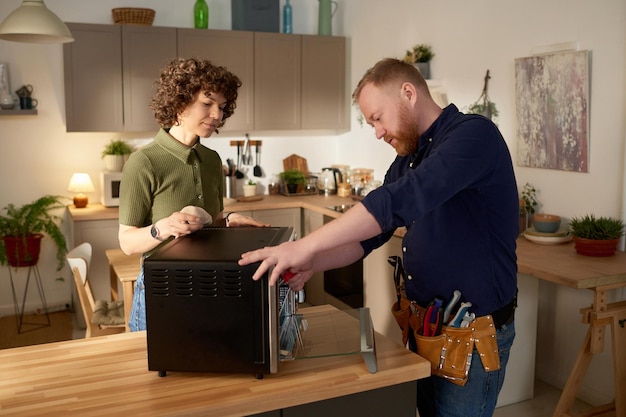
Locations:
(561, 264)
(109, 375)
(124, 268)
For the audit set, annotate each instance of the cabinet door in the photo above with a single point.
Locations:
(277, 81)
(93, 79)
(289, 217)
(324, 96)
(146, 50)
(233, 50)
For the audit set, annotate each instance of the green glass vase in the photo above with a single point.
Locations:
(201, 14)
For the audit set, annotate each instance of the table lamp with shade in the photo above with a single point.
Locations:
(80, 183)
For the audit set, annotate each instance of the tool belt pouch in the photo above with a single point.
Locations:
(450, 353)
(409, 317)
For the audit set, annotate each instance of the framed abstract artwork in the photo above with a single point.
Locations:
(552, 108)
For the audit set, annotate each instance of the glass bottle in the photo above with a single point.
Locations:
(287, 18)
(201, 14)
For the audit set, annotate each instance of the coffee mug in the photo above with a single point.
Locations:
(27, 103)
(25, 90)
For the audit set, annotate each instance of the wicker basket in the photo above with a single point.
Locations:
(133, 16)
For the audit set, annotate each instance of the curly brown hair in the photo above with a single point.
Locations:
(179, 82)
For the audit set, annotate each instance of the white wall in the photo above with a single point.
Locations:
(37, 155)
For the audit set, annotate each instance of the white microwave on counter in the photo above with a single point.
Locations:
(110, 188)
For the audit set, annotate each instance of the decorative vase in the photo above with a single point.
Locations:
(287, 18)
(6, 101)
(424, 69)
(591, 247)
(523, 217)
(23, 251)
(201, 14)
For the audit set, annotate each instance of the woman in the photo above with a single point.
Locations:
(193, 99)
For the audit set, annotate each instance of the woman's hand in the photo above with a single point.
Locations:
(179, 224)
(239, 220)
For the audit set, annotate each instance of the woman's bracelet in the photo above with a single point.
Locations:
(226, 218)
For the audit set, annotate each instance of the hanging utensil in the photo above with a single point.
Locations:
(247, 152)
(238, 172)
(258, 172)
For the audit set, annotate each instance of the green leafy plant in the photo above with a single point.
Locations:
(116, 147)
(484, 105)
(419, 53)
(600, 228)
(251, 182)
(293, 176)
(33, 218)
(529, 196)
(487, 109)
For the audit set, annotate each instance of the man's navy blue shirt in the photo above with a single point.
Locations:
(458, 199)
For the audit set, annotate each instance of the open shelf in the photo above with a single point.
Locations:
(17, 112)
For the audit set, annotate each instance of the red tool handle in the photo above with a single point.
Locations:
(287, 275)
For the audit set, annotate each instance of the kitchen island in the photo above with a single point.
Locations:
(109, 375)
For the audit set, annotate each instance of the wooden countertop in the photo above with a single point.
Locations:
(109, 375)
(317, 203)
(562, 265)
(556, 263)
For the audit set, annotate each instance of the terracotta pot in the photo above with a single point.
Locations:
(590, 247)
(23, 251)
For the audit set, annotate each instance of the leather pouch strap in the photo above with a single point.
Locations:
(484, 331)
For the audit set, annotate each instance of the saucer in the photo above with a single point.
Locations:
(547, 238)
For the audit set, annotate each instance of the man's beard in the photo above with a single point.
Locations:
(407, 133)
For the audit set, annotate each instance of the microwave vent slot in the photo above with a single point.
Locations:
(201, 282)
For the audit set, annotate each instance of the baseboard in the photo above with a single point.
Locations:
(587, 394)
(33, 309)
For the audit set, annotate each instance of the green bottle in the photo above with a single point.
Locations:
(201, 14)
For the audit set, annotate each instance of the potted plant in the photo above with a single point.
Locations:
(22, 229)
(293, 180)
(527, 203)
(596, 236)
(115, 153)
(483, 105)
(420, 55)
(249, 188)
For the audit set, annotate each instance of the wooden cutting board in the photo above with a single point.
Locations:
(296, 162)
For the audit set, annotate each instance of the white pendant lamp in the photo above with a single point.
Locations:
(33, 22)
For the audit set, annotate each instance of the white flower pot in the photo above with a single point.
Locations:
(249, 190)
(114, 163)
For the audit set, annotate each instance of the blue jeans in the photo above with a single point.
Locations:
(137, 320)
(437, 397)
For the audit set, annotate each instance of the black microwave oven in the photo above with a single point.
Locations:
(204, 312)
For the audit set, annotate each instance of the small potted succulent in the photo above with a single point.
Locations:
(249, 188)
(596, 236)
(420, 55)
(115, 154)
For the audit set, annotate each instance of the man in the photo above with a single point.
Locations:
(452, 186)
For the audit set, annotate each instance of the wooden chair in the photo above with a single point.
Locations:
(79, 259)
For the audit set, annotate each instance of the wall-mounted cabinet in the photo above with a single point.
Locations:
(233, 50)
(290, 82)
(109, 71)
